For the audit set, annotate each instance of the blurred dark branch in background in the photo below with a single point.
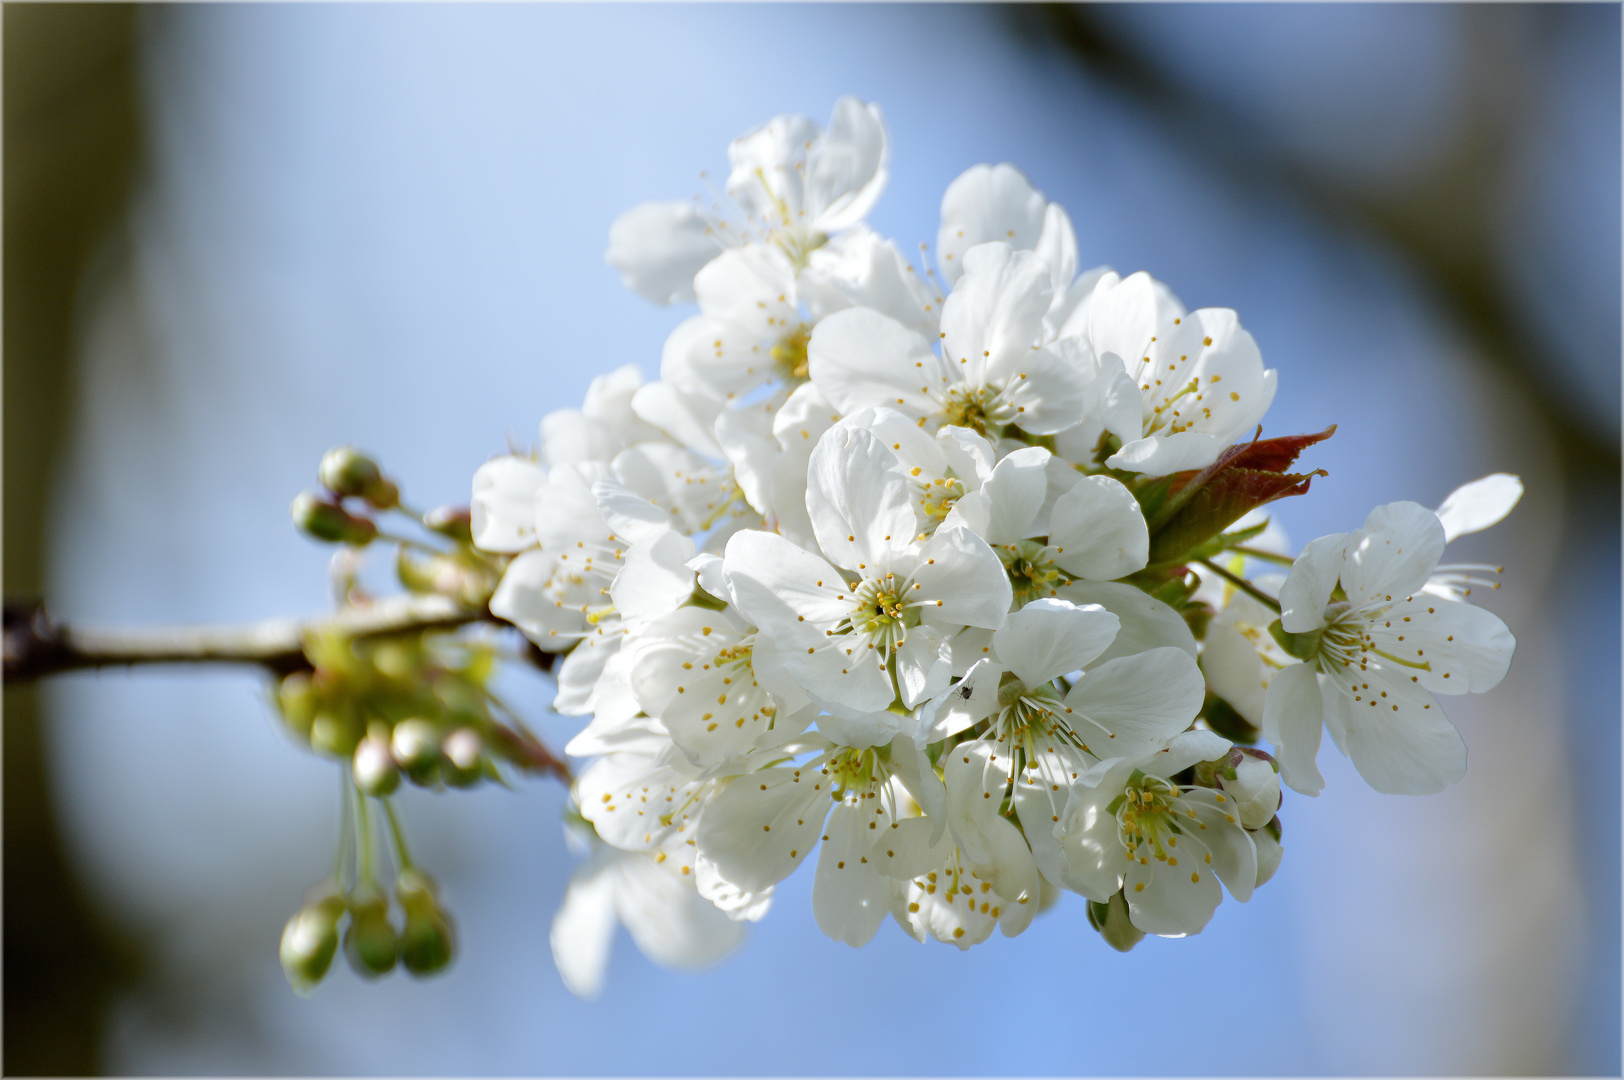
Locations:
(1441, 222)
(71, 145)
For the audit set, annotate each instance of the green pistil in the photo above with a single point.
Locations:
(977, 408)
(790, 353)
(1032, 571)
(1145, 813)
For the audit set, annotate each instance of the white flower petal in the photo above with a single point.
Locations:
(1049, 638)
(858, 498)
(1147, 623)
(987, 202)
(1473, 507)
(1014, 494)
(1234, 856)
(1402, 743)
(1293, 717)
(848, 166)
(686, 416)
(1467, 649)
(1394, 554)
(658, 247)
(860, 357)
(671, 923)
(958, 570)
(1159, 455)
(1170, 900)
(1234, 671)
(584, 927)
(849, 895)
(1134, 704)
(1308, 586)
(1186, 749)
(1098, 530)
(761, 826)
(994, 316)
(504, 503)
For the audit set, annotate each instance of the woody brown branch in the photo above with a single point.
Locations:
(35, 646)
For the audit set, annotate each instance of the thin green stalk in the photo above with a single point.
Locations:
(1243, 585)
(366, 871)
(403, 857)
(1267, 556)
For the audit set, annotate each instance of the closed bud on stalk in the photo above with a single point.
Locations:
(348, 472)
(324, 519)
(464, 757)
(370, 944)
(416, 748)
(335, 731)
(453, 522)
(1111, 920)
(427, 943)
(1252, 779)
(296, 699)
(374, 765)
(309, 942)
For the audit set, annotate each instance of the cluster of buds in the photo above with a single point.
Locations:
(354, 487)
(407, 704)
(412, 703)
(373, 946)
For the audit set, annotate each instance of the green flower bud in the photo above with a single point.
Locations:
(1251, 778)
(370, 944)
(346, 471)
(324, 519)
(1111, 920)
(416, 748)
(374, 767)
(297, 700)
(309, 942)
(335, 731)
(453, 522)
(464, 757)
(427, 944)
(428, 941)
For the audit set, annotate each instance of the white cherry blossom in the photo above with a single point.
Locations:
(1183, 385)
(794, 185)
(660, 907)
(992, 372)
(988, 203)
(867, 625)
(1379, 649)
(1472, 508)
(1165, 846)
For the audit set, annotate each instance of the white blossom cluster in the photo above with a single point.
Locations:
(940, 574)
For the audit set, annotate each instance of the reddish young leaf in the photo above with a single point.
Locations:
(1200, 504)
(1218, 504)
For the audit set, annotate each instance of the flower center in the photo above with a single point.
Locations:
(1145, 813)
(1032, 572)
(979, 408)
(1171, 417)
(859, 772)
(1025, 712)
(790, 352)
(938, 496)
(880, 612)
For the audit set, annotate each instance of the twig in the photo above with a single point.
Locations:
(529, 752)
(1242, 584)
(35, 646)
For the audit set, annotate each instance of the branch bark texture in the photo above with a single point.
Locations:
(35, 646)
